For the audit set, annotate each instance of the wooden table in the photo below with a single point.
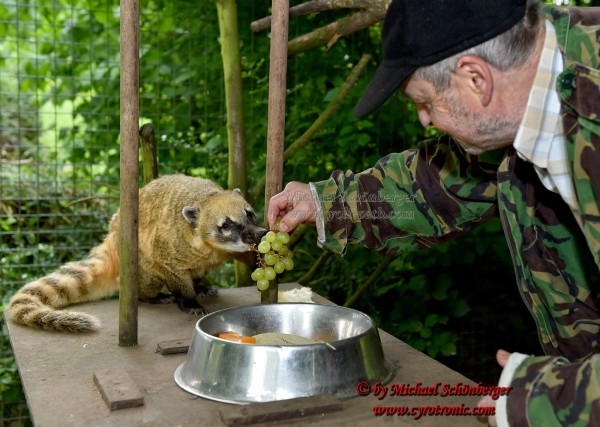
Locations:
(57, 372)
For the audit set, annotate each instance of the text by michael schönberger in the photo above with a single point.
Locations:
(439, 389)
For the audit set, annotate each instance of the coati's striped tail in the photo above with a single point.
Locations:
(38, 303)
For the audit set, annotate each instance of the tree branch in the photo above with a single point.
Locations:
(318, 124)
(369, 12)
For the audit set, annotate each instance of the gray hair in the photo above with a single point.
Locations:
(508, 50)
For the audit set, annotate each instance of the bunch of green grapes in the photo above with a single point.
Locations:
(274, 258)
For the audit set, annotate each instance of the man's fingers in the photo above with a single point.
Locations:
(293, 206)
(287, 224)
(484, 402)
(502, 357)
(278, 205)
(301, 214)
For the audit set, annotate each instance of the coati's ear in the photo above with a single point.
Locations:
(237, 190)
(190, 214)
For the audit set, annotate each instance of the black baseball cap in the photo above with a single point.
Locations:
(422, 32)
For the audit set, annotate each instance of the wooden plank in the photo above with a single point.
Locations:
(282, 411)
(118, 389)
(173, 346)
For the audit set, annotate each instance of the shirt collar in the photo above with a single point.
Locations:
(541, 119)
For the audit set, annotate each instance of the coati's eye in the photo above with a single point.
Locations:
(226, 224)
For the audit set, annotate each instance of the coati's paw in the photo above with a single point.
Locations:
(205, 291)
(191, 306)
(163, 299)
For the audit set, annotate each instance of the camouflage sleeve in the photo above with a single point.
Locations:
(417, 198)
(550, 391)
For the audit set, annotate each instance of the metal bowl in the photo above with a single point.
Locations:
(241, 373)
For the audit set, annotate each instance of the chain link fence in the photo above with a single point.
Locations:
(59, 129)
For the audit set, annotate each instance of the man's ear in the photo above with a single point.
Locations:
(475, 74)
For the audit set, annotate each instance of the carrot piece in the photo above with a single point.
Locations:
(234, 336)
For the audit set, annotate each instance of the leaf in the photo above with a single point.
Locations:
(414, 325)
(329, 96)
(362, 139)
(417, 283)
(384, 289)
(431, 320)
(448, 349)
(460, 308)
(418, 344)
(443, 283)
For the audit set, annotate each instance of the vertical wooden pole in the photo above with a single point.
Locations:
(149, 157)
(232, 73)
(129, 171)
(237, 175)
(276, 113)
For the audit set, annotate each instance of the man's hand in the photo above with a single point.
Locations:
(501, 357)
(293, 206)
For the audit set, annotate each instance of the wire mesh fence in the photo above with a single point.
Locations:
(59, 129)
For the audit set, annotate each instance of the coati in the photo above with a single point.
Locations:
(187, 226)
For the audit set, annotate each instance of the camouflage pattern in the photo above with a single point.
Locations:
(442, 192)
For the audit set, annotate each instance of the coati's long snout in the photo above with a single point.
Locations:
(253, 234)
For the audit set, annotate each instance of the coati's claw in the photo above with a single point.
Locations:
(197, 311)
(206, 291)
(162, 299)
(191, 306)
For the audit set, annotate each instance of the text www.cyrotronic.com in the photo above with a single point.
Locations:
(417, 412)
(438, 389)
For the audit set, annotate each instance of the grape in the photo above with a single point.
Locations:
(283, 237)
(279, 267)
(258, 274)
(288, 263)
(262, 284)
(274, 257)
(270, 258)
(264, 247)
(270, 273)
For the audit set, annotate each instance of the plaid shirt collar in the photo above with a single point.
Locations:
(540, 138)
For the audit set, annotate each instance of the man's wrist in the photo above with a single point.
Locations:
(506, 377)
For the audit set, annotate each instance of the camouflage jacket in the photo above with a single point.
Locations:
(422, 197)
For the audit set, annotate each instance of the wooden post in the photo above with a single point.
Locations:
(129, 171)
(276, 113)
(237, 175)
(149, 158)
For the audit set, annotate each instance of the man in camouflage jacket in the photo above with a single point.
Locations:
(555, 246)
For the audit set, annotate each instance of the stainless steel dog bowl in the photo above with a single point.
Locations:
(240, 373)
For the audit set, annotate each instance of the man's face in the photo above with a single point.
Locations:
(461, 116)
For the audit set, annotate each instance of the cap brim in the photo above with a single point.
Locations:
(385, 82)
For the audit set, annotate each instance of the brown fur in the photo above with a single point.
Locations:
(187, 226)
